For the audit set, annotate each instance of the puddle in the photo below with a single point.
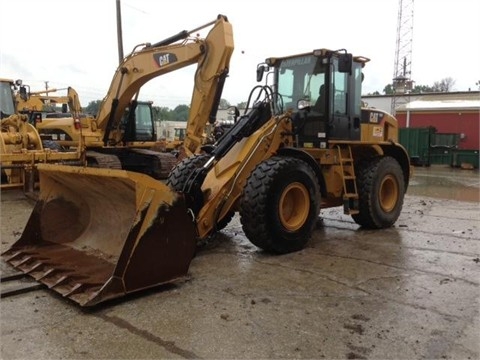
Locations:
(445, 183)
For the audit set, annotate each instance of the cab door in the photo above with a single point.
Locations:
(344, 123)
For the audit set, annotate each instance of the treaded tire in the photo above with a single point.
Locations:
(279, 205)
(381, 189)
(180, 174)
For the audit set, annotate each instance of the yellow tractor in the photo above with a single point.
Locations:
(306, 143)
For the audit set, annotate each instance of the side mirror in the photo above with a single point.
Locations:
(233, 110)
(261, 68)
(345, 63)
(23, 93)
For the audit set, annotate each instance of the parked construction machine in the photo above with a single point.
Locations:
(21, 146)
(118, 137)
(29, 102)
(306, 143)
(115, 136)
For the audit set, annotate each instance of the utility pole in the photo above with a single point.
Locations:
(402, 70)
(119, 32)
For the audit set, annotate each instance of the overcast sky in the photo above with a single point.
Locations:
(74, 42)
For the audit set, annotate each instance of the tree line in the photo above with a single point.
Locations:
(444, 85)
(163, 113)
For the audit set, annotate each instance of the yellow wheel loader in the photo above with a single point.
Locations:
(98, 234)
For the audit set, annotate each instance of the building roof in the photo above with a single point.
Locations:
(441, 105)
(451, 101)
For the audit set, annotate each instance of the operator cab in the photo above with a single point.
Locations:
(7, 105)
(138, 122)
(324, 90)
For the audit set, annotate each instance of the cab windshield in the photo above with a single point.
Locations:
(300, 78)
(7, 107)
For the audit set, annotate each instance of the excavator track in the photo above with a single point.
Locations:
(106, 161)
(165, 164)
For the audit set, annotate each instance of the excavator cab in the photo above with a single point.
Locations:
(138, 123)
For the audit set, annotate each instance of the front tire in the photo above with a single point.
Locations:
(279, 205)
(178, 177)
(381, 189)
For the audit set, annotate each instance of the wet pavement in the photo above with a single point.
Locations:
(409, 292)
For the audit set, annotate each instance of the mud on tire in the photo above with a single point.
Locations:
(279, 204)
(381, 189)
(180, 174)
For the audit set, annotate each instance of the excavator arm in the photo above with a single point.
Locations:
(212, 54)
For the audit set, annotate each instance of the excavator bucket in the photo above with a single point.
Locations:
(99, 234)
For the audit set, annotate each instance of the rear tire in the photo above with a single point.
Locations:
(279, 205)
(381, 189)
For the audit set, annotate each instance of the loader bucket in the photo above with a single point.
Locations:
(99, 234)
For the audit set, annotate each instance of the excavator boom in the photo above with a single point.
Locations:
(212, 54)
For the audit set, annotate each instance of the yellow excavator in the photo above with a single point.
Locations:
(112, 137)
(306, 143)
(123, 132)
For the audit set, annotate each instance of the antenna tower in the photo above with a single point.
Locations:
(402, 82)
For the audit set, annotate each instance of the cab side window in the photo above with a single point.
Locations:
(340, 91)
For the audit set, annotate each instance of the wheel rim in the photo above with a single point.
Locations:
(388, 193)
(294, 206)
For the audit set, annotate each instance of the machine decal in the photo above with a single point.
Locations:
(372, 116)
(377, 131)
(375, 117)
(296, 61)
(162, 59)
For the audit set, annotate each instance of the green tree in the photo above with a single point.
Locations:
(162, 113)
(418, 89)
(388, 89)
(93, 107)
(444, 85)
(180, 113)
(242, 105)
(224, 104)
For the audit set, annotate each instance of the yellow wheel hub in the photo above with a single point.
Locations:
(294, 206)
(388, 193)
